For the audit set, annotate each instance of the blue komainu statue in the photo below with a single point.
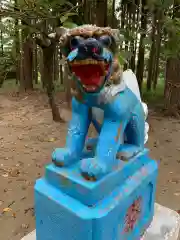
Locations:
(100, 87)
(102, 188)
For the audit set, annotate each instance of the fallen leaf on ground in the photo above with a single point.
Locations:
(51, 140)
(177, 194)
(25, 226)
(5, 175)
(29, 210)
(7, 209)
(14, 172)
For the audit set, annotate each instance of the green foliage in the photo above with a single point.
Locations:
(69, 25)
(163, 4)
(6, 64)
(147, 41)
(66, 16)
(124, 56)
(29, 18)
(33, 14)
(155, 96)
(40, 17)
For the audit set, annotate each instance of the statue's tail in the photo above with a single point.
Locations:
(146, 123)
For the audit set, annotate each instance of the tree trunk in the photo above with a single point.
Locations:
(126, 27)
(101, 13)
(113, 14)
(17, 47)
(48, 56)
(151, 61)
(86, 10)
(21, 61)
(172, 86)
(172, 89)
(28, 64)
(137, 13)
(140, 64)
(35, 63)
(157, 58)
(159, 24)
(56, 65)
(132, 15)
(2, 45)
(61, 71)
(123, 13)
(41, 66)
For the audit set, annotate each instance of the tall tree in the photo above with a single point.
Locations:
(156, 37)
(101, 13)
(49, 48)
(113, 21)
(172, 86)
(140, 63)
(151, 61)
(1, 39)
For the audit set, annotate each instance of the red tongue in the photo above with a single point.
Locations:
(89, 74)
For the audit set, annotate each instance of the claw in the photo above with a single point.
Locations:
(88, 178)
(62, 157)
(92, 169)
(58, 164)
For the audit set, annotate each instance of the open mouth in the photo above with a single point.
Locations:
(91, 73)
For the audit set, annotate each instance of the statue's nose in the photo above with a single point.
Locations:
(90, 47)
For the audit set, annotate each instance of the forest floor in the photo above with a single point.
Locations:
(27, 137)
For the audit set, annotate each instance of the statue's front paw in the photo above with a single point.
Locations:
(63, 157)
(92, 169)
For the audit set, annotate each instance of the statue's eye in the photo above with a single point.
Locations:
(75, 41)
(106, 40)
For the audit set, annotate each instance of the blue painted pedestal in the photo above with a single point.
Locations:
(118, 207)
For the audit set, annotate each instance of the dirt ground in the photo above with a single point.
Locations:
(27, 138)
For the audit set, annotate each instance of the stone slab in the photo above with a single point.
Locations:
(165, 226)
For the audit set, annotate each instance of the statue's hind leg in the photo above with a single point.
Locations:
(135, 128)
(135, 135)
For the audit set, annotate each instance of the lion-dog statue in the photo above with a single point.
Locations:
(98, 83)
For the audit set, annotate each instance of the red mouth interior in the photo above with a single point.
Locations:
(90, 75)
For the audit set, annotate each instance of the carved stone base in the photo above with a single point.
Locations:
(165, 226)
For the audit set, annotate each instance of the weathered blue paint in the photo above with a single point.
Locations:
(122, 115)
(68, 207)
